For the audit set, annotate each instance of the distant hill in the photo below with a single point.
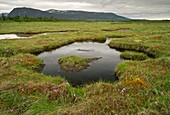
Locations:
(67, 15)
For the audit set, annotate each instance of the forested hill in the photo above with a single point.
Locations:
(67, 15)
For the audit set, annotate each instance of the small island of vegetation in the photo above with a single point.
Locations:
(75, 63)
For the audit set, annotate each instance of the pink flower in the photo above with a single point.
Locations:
(56, 90)
(123, 91)
(11, 110)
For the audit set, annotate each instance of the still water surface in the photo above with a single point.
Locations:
(14, 36)
(102, 69)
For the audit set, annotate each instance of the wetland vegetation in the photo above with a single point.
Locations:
(133, 55)
(142, 88)
(75, 63)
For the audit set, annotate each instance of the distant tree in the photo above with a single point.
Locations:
(3, 17)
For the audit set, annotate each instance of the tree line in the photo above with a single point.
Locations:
(27, 18)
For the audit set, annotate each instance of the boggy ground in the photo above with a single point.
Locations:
(75, 63)
(143, 86)
(130, 55)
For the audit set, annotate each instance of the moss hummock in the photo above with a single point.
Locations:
(74, 63)
(133, 55)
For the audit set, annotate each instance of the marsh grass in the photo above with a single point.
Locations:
(143, 86)
(133, 55)
(124, 44)
(74, 63)
(23, 90)
(139, 91)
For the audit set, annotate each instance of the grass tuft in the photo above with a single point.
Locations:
(133, 55)
(74, 63)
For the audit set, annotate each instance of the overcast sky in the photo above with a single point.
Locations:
(145, 9)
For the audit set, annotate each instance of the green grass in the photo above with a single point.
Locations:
(24, 90)
(74, 63)
(133, 55)
(128, 44)
(143, 86)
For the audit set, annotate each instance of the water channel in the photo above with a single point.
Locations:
(14, 36)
